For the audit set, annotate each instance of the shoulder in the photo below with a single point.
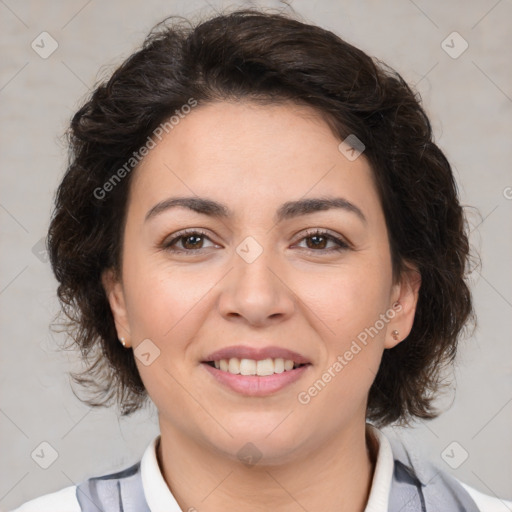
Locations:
(437, 484)
(66, 500)
(60, 501)
(487, 503)
(75, 498)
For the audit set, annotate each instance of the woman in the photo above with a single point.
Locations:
(257, 233)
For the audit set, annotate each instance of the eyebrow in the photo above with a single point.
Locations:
(286, 211)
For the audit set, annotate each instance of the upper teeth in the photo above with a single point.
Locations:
(252, 367)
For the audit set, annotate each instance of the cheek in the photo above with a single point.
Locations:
(347, 300)
(165, 305)
(349, 308)
(161, 300)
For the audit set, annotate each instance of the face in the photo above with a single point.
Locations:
(265, 274)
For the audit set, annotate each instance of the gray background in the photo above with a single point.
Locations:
(469, 100)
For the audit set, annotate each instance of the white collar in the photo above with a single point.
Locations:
(383, 475)
(160, 498)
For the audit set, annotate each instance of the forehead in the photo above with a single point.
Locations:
(250, 154)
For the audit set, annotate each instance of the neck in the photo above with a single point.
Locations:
(335, 477)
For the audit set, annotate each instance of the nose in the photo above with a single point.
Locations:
(257, 292)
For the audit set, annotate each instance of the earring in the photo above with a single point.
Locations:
(123, 342)
(395, 334)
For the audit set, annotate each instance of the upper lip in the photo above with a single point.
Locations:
(245, 352)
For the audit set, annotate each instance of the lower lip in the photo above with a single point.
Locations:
(253, 385)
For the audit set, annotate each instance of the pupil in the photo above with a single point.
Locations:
(191, 237)
(317, 237)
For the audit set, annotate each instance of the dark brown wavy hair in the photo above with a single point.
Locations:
(269, 58)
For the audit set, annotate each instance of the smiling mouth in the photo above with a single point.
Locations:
(260, 368)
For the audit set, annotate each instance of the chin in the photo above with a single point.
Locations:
(258, 453)
(272, 442)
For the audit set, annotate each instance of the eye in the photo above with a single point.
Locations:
(319, 239)
(190, 241)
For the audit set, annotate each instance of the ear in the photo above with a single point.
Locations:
(405, 297)
(115, 295)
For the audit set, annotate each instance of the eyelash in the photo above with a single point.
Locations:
(341, 244)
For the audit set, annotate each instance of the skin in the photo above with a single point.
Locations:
(253, 158)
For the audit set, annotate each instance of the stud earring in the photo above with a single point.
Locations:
(123, 342)
(395, 334)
